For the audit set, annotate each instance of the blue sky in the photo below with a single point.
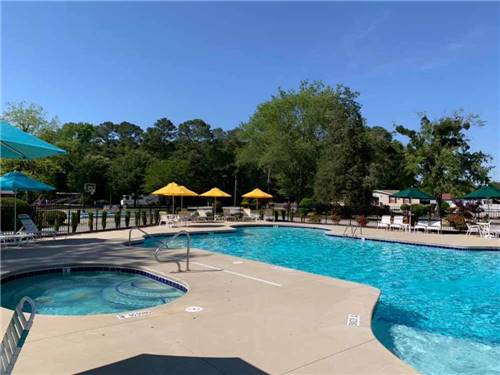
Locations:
(118, 61)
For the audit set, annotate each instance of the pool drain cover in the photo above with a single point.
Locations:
(353, 320)
(193, 309)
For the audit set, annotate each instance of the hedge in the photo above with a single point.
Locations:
(7, 212)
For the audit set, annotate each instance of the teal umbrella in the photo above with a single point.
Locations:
(17, 181)
(484, 192)
(16, 144)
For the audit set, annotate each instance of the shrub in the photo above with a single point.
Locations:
(50, 217)
(144, 218)
(335, 217)
(457, 221)
(137, 217)
(276, 215)
(313, 217)
(419, 210)
(283, 213)
(91, 221)
(74, 221)
(362, 220)
(118, 219)
(156, 217)
(7, 212)
(127, 218)
(405, 207)
(104, 219)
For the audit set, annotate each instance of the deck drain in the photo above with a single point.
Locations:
(193, 309)
(353, 320)
(135, 314)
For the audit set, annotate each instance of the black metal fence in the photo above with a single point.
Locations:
(68, 219)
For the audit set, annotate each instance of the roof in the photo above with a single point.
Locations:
(386, 191)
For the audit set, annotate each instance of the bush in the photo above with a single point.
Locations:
(313, 217)
(144, 218)
(335, 217)
(50, 217)
(104, 219)
(156, 217)
(127, 218)
(137, 217)
(419, 210)
(405, 207)
(362, 220)
(74, 221)
(7, 212)
(118, 219)
(457, 221)
(91, 221)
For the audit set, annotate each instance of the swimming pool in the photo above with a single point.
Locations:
(439, 310)
(86, 291)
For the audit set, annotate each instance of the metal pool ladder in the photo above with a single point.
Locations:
(164, 245)
(15, 335)
(354, 230)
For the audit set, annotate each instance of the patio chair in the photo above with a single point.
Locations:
(203, 216)
(247, 214)
(184, 217)
(165, 219)
(398, 223)
(385, 222)
(471, 229)
(30, 228)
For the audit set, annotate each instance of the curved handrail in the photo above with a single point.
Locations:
(146, 234)
(188, 247)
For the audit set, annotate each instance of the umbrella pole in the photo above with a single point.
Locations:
(15, 212)
(173, 204)
(215, 205)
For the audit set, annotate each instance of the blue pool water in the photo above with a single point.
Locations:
(439, 309)
(85, 293)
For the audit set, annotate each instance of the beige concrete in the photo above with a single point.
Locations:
(256, 318)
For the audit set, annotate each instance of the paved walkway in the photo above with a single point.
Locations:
(256, 319)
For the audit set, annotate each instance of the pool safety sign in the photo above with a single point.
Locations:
(134, 314)
(353, 320)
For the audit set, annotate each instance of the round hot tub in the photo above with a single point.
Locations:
(89, 290)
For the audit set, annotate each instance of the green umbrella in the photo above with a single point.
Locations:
(484, 192)
(413, 193)
(16, 144)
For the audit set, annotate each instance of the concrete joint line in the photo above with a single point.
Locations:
(238, 274)
(328, 356)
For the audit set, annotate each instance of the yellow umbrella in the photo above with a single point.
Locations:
(173, 190)
(185, 192)
(257, 194)
(215, 193)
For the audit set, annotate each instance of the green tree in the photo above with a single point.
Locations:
(343, 168)
(126, 173)
(30, 118)
(440, 157)
(283, 137)
(158, 139)
(387, 162)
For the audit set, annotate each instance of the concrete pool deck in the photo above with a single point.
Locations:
(256, 318)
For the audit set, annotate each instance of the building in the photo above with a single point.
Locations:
(385, 198)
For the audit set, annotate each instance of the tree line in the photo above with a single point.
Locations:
(309, 142)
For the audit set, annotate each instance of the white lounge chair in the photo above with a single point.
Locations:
(398, 223)
(422, 224)
(435, 225)
(385, 222)
(7, 239)
(247, 214)
(30, 228)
